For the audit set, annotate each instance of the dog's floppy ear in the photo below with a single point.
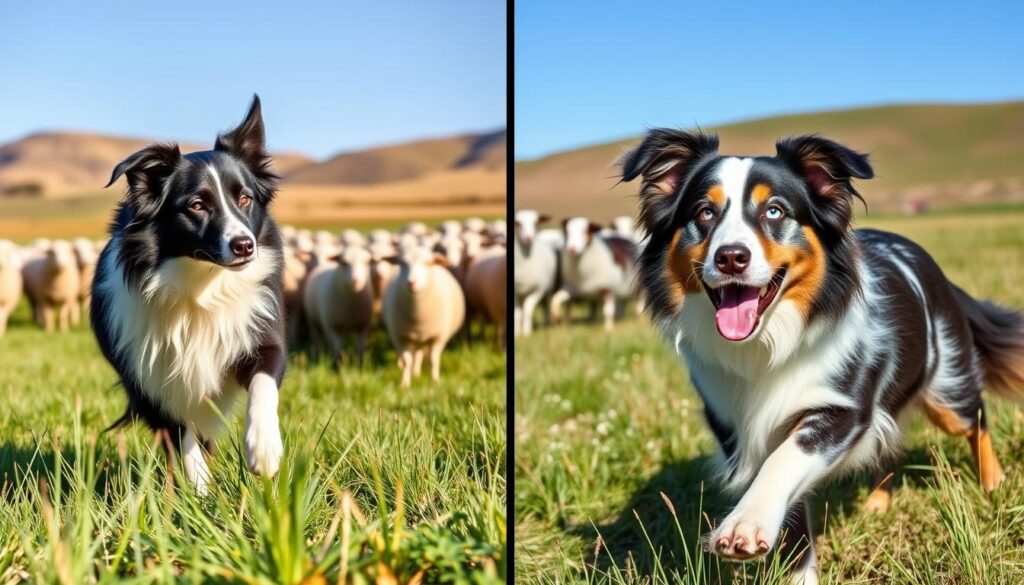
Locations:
(146, 171)
(829, 168)
(666, 159)
(248, 143)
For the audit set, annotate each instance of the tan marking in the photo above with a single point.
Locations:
(880, 497)
(717, 196)
(681, 269)
(760, 193)
(945, 418)
(985, 460)
(805, 269)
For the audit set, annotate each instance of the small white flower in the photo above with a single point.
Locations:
(566, 404)
(603, 428)
(651, 445)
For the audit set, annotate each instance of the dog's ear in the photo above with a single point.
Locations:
(146, 171)
(828, 168)
(248, 143)
(665, 159)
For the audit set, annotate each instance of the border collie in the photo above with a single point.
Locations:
(187, 294)
(806, 340)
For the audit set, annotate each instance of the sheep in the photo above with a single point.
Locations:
(452, 247)
(296, 268)
(423, 308)
(535, 269)
(381, 271)
(594, 267)
(416, 228)
(350, 237)
(475, 225)
(51, 284)
(497, 231)
(338, 300)
(450, 227)
(485, 288)
(380, 237)
(86, 257)
(10, 281)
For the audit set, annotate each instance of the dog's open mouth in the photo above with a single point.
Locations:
(738, 308)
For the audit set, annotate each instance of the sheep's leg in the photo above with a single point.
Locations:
(196, 469)
(362, 338)
(405, 364)
(76, 314)
(48, 318)
(608, 306)
(517, 321)
(335, 345)
(37, 313)
(65, 316)
(3, 322)
(435, 361)
(557, 300)
(529, 305)
(417, 364)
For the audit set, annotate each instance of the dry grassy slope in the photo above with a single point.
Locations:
(73, 163)
(948, 154)
(407, 161)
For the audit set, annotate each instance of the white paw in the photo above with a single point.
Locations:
(744, 535)
(263, 445)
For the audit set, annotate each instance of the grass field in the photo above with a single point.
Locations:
(378, 484)
(611, 454)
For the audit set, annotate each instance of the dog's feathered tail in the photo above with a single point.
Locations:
(999, 338)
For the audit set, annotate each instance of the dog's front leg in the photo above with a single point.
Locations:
(262, 376)
(810, 452)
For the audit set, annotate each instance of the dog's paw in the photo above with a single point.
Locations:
(263, 446)
(744, 536)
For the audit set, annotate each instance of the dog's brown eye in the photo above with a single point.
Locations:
(196, 205)
(244, 200)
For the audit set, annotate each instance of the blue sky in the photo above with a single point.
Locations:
(591, 72)
(332, 75)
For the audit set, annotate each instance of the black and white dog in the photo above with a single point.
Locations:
(806, 340)
(187, 294)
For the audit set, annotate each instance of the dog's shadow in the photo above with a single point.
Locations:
(662, 525)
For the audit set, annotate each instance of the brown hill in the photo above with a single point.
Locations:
(63, 164)
(411, 160)
(935, 155)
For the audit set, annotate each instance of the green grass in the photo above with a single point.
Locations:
(378, 484)
(612, 453)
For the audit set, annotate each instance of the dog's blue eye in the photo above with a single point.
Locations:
(774, 212)
(706, 214)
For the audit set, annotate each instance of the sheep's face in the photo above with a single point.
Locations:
(355, 267)
(10, 257)
(578, 233)
(61, 256)
(415, 267)
(450, 227)
(452, 248)
(85, 253)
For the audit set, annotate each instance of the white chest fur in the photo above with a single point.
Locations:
(192, 321)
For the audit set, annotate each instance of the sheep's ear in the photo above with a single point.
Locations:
(828, 168)
(248, 143)
(146, 171)
(543, 218)
(391, 259)
(593, 228)
(666, 159)
(441, 260)
(303, 256)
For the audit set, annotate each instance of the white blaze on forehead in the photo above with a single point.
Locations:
(731, 230)
(234, 226)
(576, 231)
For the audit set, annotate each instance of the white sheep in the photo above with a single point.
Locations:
(10, 281)
(51, 282)
(535, 269)
(382, 272)
(296, 269)
(86, 257)
(350, 237)
(486, 294)
(475, 224)
(450, 227)
(423, 308)
(595, 267)
(338, 300)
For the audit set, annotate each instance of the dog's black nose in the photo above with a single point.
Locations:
(242, 246)
(732, 259)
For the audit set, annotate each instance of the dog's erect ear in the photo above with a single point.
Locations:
(665, 159)
(829, 168)
(146, 171)
(248, 143)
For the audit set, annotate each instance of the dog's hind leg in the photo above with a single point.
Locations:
(959, 421)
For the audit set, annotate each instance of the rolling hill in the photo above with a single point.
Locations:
(936, 155)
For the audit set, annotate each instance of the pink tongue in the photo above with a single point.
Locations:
(737, 314)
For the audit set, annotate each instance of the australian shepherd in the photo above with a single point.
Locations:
(807, 340)
(187, 295)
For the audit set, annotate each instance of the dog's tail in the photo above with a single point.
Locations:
(999, 339)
